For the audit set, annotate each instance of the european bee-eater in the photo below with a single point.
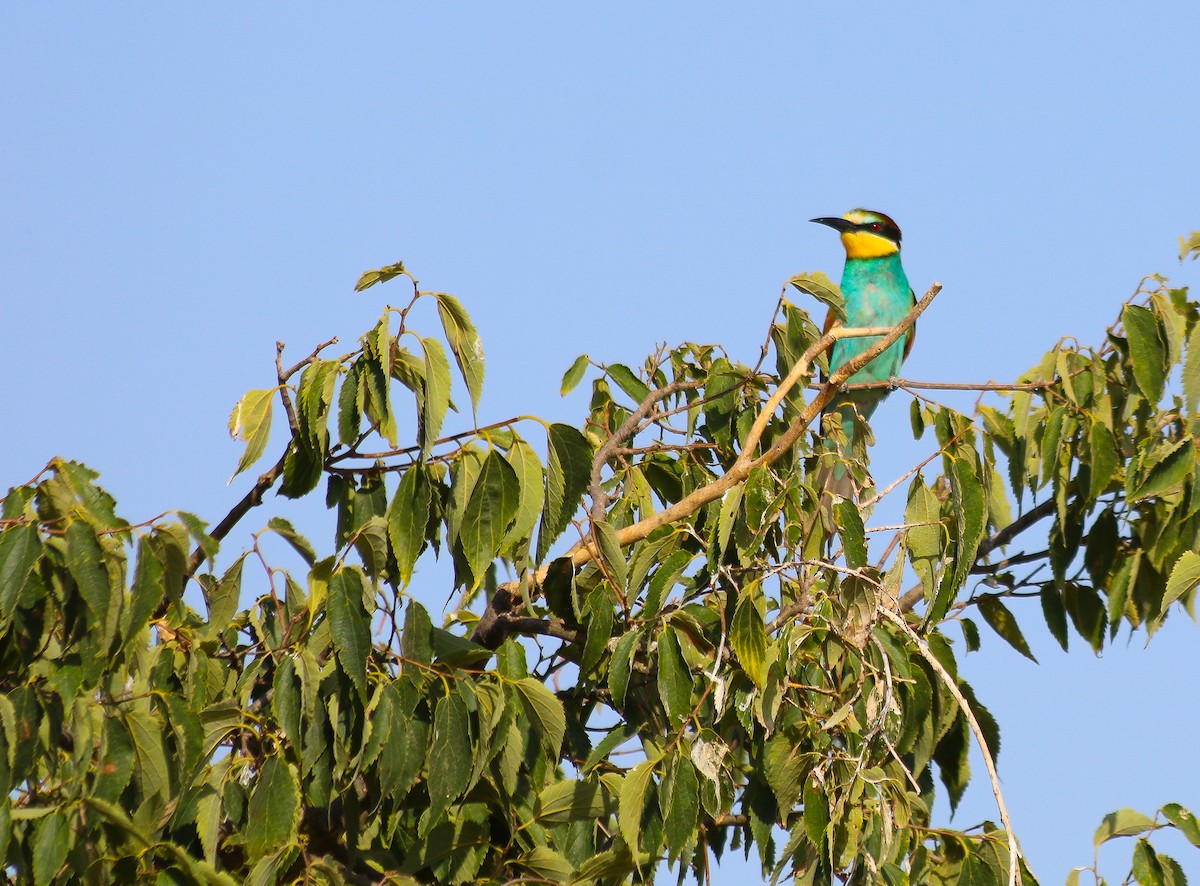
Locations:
(877, 294)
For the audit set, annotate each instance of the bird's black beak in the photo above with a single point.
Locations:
(838, 224)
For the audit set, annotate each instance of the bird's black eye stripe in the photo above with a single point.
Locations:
(886, 230)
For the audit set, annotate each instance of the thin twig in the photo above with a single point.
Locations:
(1014, 849)
(583, 552)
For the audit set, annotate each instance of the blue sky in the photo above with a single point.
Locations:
(182, 186)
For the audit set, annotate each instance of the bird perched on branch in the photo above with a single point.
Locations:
(877, 293)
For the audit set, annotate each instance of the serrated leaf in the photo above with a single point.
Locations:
(1055, 614)
(51, 843)
(619, 667)
(85, 560)
(748, 636)
(1183, 819)
(545, 713)
(674, 679)
(820, 287)
(489, 513)
(1189, 246)
(436, 399)
(530, 479)
(611, 556)
(850, 527)
(634, 789)
(407, 518)
(20, 548)
(1102, 446)
(350, 626)
(1122, 823)
(680, 804)
(449, 759)
(369, 278)
(1191, 371)
(250, 422)
(628, 382)
(301, 545)
(570, 800)
(1147, 350)
(1001, 620)
(350, 404)
(1168, 469)
(663, 580)
(464, 343)
(1185, 575)
(573, 374)
(567, 477)
(599, 629)
(273, 813)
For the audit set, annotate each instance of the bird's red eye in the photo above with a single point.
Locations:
(876, 226)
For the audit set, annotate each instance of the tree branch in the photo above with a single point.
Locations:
(1014, 849)
(584, 552)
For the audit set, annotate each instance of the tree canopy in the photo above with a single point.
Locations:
(661, 649)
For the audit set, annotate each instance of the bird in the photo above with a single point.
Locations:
(877, 293)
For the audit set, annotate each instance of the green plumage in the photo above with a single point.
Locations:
(877, 293)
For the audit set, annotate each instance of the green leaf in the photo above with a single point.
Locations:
(407, 518)
(85, 560)
(50, 846)
(1184, 820)
(1146, 868)
(436, 399)
(464, 343)
(1055, 614)
(634, 789)
(1102, 446)
(545, 713)
(273, 814)
(619, 668)
(301, 545)
(1165, 470)
(1001, 619)
(450, 756)
(748, 636)
(147, 589)
(489, 512)
(674, 680)
(663, 580)
(1191, 371)
(250, 422)
(570, 800)
(350, 404)
(1147, 350)
(1122, 823)
(567, 478)
(530, 479)
(823, 290)
(611, 556)
(369, 278)
(350, 626)
(926, 539)
(1189, 246)
(1185, 575)
(1087, 614)
(573, 374)
(146, 732)
(628, 382)
(19, 552)
(599, 629)
(416, 642)
(816, 812)
(680, 804)
(854, 539)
